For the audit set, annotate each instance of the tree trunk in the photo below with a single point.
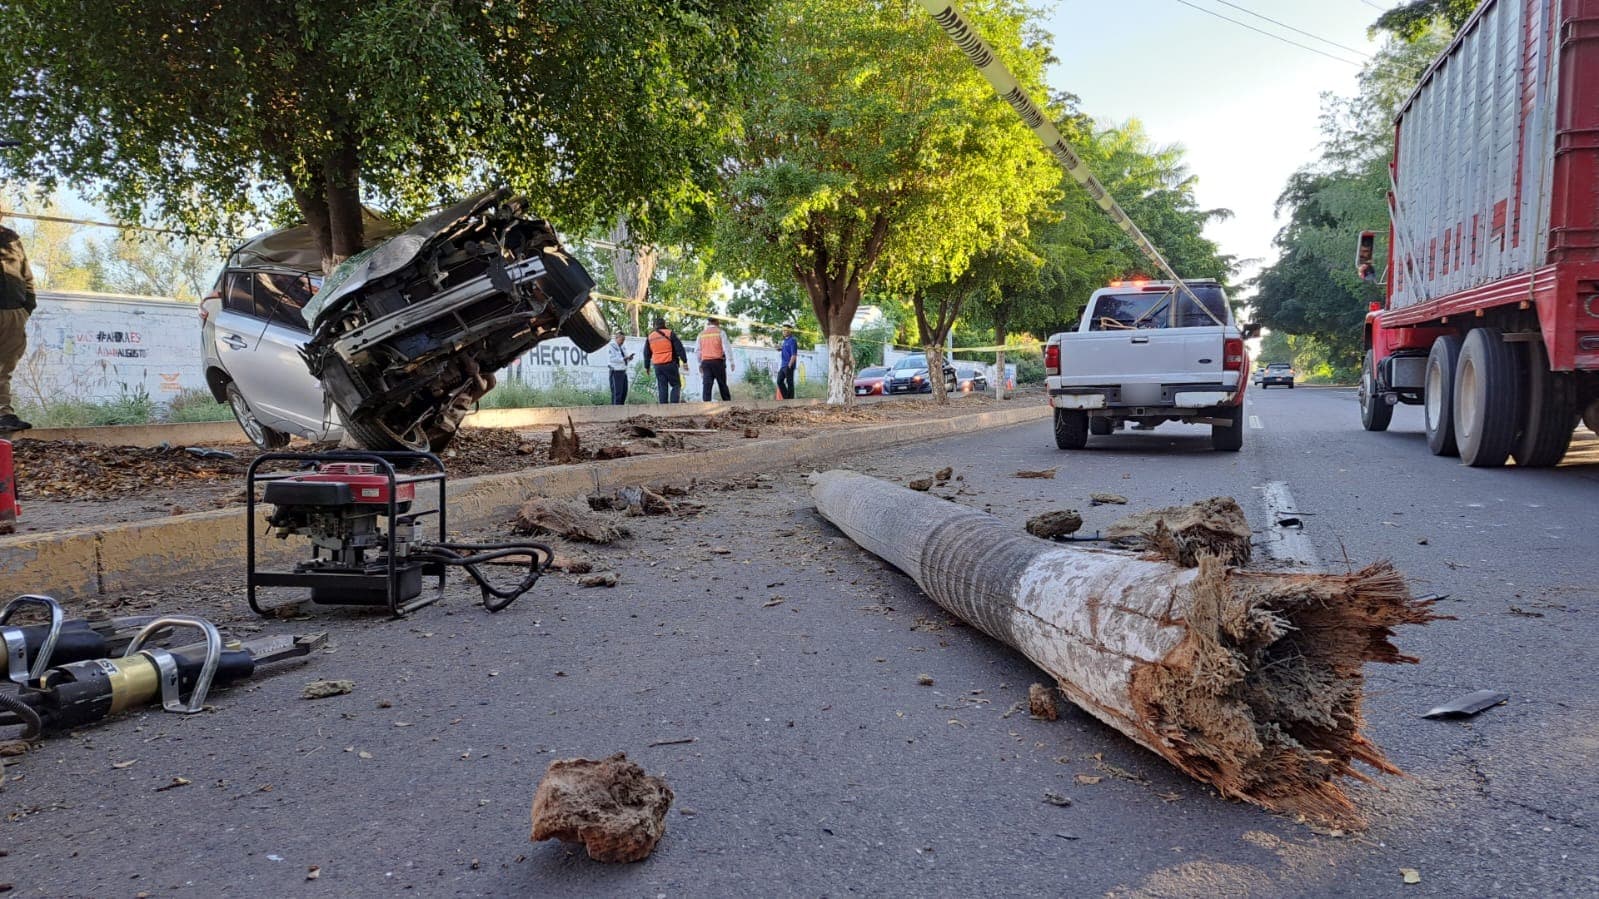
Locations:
(1250, 682)
(840, 370)
(834, 301)
(331, 206)
(932, 333)
(1000, 333)
(935, 372)
(633, 268)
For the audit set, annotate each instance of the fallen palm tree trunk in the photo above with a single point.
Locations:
(1249, 682)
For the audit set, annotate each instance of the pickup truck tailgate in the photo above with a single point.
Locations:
(1141, 361)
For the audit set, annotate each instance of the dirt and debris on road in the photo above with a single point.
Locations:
(1041, 703)
(566, 519)
(65, 483)
(1180, 533)
(1056, 523)
(611, 806)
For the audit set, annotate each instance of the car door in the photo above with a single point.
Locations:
(259, 333)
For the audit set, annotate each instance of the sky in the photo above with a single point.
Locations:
(1245, 106)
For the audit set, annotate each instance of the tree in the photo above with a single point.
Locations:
(1414, 20)
(159, 265)
(867, 145)
(209, 114)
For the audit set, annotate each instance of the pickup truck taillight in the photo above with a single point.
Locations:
(1052, 359)
(1232, 354)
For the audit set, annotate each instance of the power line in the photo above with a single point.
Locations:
(67, 221)
(1374, 5)
(1293, 29)
(1277, 37)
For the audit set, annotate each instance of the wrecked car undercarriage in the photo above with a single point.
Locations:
(407, 335)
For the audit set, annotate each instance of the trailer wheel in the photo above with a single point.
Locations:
(1551, 411)
(1438, 404)
(1228, 438)
(1071, 429)
(1487, 399)
(1375, 413)
(1100, 426)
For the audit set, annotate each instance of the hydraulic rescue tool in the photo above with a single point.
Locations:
(76, 693)
(364, 522)
(30, 649)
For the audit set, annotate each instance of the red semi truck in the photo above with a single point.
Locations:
(1491, 321)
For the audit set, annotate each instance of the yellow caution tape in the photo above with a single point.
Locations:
(955, 24)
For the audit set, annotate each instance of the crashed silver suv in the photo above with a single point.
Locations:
(400, 341)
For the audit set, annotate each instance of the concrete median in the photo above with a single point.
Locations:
(112, 558)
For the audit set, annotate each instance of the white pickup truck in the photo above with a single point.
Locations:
(1147, 352)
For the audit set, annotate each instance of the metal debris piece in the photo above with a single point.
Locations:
(1468, 705)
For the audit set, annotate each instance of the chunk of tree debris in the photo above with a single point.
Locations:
(1047, 474)
(565, 447)
(322, 689)
(598, 579)
(1107, 499)
(565, 519)
(611, 806)
(944, 474)
(922, 484)
(639, 501)
(925, 680)
(1059, 523)
(616, 451)
(1468, 705)
(1248, 681)
(1214, 526)
(1041, 703)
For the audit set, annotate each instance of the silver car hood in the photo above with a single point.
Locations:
(393, 254)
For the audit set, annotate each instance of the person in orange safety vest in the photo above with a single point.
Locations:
(664, 354)
(716, 360)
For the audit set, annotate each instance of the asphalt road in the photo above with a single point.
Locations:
(820, 767)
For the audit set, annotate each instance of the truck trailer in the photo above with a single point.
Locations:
(1491, 313)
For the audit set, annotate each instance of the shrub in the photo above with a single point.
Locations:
(197, 405)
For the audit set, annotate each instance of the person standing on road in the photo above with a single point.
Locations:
(17, 302)
(617, 358)
(716, 360)
(665, 355)
(789, 361)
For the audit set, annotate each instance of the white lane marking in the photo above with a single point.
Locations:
(1290, 545)
(1254, 423)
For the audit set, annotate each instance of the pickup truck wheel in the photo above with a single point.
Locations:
(1488, 388)
(1099, 427)
(262, 436)
(1551, 411)
(1228, 438)
(1375, 413)
(1071, 429)
(1438, 404)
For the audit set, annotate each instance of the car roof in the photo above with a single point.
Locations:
(295, 249)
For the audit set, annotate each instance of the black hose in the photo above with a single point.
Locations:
(472, 555)
(24, 714)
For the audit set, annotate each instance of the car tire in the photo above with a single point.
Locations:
(1438, 404)
(1551, 411)
(374, 435)
(586, 328)
(1488, 401)
(259, 434)
(1375, 413)
(1071, 429)
(1099, 427)
(1228, 438)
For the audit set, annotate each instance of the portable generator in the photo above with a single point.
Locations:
(364, 522)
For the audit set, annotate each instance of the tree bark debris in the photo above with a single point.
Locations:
(1248, 681)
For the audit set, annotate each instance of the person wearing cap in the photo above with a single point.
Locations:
(616, 359)
(17, 302)
(790, 360)
(664, 353)
(716, 360)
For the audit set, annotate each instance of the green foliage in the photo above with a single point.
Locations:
(212, 115)
(131, 407)
(869, 340)
(563, 391)
(1029, 366)
(760, 379)
(197, 405)
(1414, 20)
(1312, 290)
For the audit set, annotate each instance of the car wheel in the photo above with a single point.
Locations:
(1488, 399)
(262, 436)
(1438, 406)
(1228, 438)
(1071, 429)
(373, 434)
(1375, 413)
(586, 328)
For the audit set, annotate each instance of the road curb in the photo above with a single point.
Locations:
(86, 561)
